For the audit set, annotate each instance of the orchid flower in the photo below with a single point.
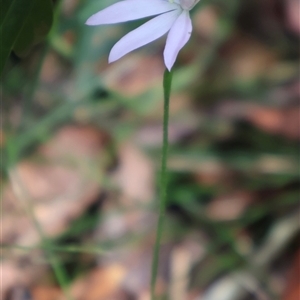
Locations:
(170, 16)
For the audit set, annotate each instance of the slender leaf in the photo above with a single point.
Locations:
(23, 23)
(36, 27)
(13, 17)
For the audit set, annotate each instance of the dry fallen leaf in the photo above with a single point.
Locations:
(46, 293)
(134, 74)
(135, 174)
(276, 121)
(229, 207)
(292, 15)
(292, 291)
(100, 284)
(58, 189)
(249, 58)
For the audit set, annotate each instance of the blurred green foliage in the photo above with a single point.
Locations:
(219, 99)
(23, 24)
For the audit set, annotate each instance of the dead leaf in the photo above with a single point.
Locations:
(229, 207)
(276, 121)
(46, 293)
(100, 284)
(206, 21)
(134, 74)
(59, 188)
(248, 58)
(292, 291)
(135, 174)
(292, 15)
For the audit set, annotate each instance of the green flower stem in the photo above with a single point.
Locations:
(167, 82)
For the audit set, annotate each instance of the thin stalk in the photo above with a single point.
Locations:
(66, 249)
(167, 82)
(21, 194)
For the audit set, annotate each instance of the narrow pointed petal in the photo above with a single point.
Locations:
(178, 36)
(143, 35)
(129, 10)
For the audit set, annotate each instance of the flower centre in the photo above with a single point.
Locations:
(188, 4)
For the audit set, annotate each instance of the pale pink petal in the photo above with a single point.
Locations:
(130, 10)
(144, 34)
(178, 36)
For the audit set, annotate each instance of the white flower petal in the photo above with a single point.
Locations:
(144, 34)
(178, 36)
(130, 10)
